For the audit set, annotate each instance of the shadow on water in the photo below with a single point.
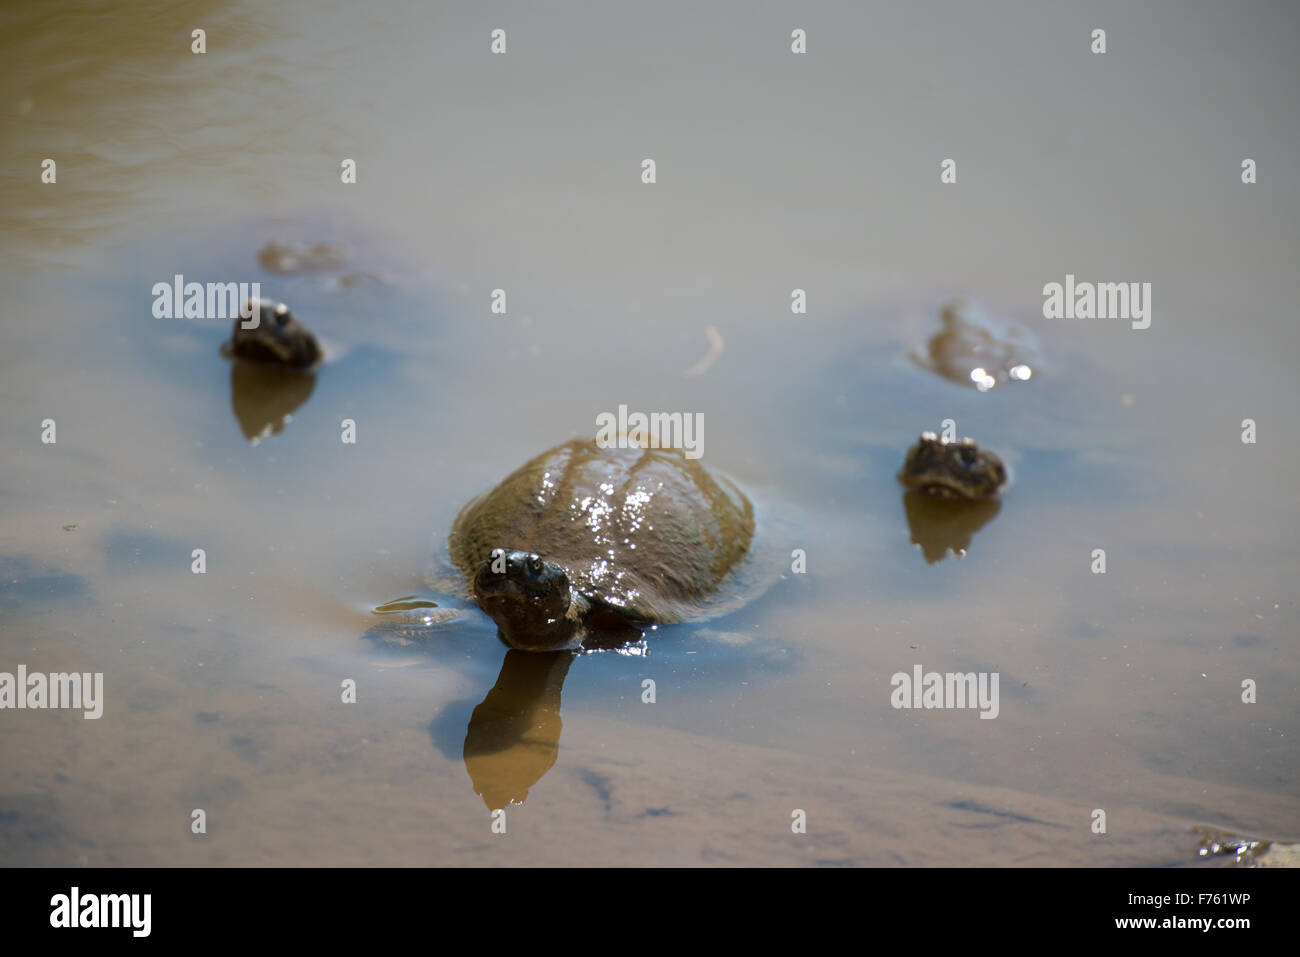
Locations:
(29, 581)
(131, 549)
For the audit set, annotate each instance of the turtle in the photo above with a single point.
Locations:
(973, 349)
(587, 544)
(279, 338)
(276, 337)
(291, 258)
(953, 470)
(275, 368)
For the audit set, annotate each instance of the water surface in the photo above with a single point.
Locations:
(522, 172)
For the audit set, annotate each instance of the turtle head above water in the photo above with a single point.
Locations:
(275, 337)
(530, 599)
(957, 470)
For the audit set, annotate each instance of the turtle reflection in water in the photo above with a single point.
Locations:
(953, 490)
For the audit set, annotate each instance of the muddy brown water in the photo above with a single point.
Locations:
(1120, 692)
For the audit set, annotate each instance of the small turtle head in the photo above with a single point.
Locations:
(275, 336)
(529, 598)
(960, 470)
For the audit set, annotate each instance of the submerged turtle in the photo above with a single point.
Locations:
(582, 545)
(290, 258)
(973, 349)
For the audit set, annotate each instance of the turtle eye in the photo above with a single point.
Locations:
(968, 454)
(282, 315)
(535, 564)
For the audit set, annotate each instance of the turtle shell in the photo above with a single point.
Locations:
(648, 532)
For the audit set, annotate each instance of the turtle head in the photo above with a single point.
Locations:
(529, 598)
(953, 470)
(267, 331)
